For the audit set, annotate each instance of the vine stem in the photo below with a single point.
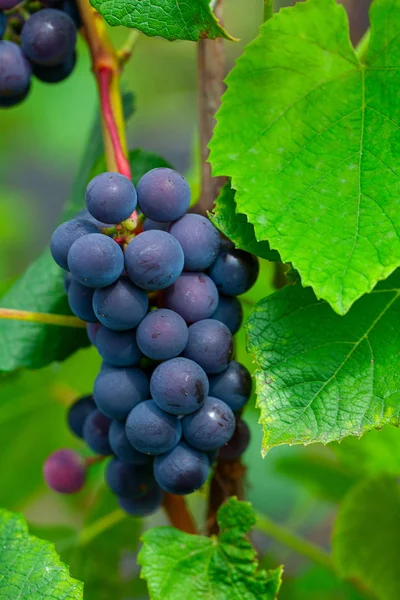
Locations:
(38, 317)
(268, 9)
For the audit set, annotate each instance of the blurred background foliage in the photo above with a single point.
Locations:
(41, 144)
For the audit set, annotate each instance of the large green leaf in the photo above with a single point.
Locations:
(30, 569)
(366, 542)
(170, 19)
(178, 566)
(311, 140)
(323, 377)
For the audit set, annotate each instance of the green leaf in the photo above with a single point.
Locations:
(315, 161)
(140, 162)
(323, 377)
(178, 566)
(170, 19)
(236, 227)
(30, 568)
(366, 543)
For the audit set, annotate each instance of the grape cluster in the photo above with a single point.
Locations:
(158, 292)
(42, 46)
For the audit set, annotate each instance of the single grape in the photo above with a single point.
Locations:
(118, 348)
(95, 260)
(122, 448)
(111, 197)
(117, 390)
(7, 4)
(210, 345)
(230, 312)
(9, 101)
(128, 480)
(163, 195)
(120, 306)
(199, 239)
(235, 271)
(70, 7)
(149, 224)
(78, 412)
(92, 330)
(15, 71)
(154, 260)
(238, 442)
(65, 472)
(233, 386)
(162, 334)
(55, 73)
(210, 427)
(48, 37)
(85, 214)
(151, 430)
(3, 24)
(65, 235)
(67, 281)
(80, 299)
(179, 386)
(181, 471)
(145, 505)
(95, 432)
(193, 296)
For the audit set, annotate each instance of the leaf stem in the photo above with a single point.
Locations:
(362, 46)
(38, 317)
(268, 9)
(126, 51)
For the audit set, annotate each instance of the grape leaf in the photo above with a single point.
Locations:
(170, 19)
(366, 543)
(315, 162)
(236, 227)
(323, 377)
(29, 567)
(178, 566)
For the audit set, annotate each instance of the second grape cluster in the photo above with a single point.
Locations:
(159, 293)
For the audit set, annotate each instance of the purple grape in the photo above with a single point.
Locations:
(199, 239)
(149, 225)
(65, 235)
(95, 260)
(122, 448)
(95, 432)
(238, 442)
(80, 300)
(48, 37)
(120, 306)
(118, 348)
(127, 480)
(230, 312)
(67, 281)
(193, 296)
(7, 4)
(111, 197)
(151, 430)
(92, 330)
(163, 195)
(162, 334)
(15, 71)
(235, 271)
(145, 505)
(65, 472)
(210, 427)
(233, 386)
(179, 386)
(117, 390)
(9, 101)
(182, 470)
(71, 8)
(78, 412)
(55, 73)
(210, 345)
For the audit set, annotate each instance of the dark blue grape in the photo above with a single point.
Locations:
(9, 101)
(120, 306)
(118, 348)
(149, 224)
(151, 430)
(233, 386)
(111, 197)
(210, 345)
(154, 260)
(162, 334)
(179, 386)
(65, 235)
(71, 9)
(85, 214)
(7, 4)
(3, 24)
(230, 312)
(127, 480)
(182, 470)
(238, 443)
(78, 412)
(199, 239)
(92, 330)
(95, 432)
(193, 296)
(235, 271)
(163, 195)
(48, 37)
(15, 71)
(67, 281)
(65, 472)
(145, 505)
(117, 390)
(95, 260)
(55, 73)
(80, 299)
(210, 427)
(122, 448)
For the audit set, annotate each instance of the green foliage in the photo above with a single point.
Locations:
(323, 377)
(315, 159)
(30, 568)
(366, 543)
(178, 566)
(170, 19)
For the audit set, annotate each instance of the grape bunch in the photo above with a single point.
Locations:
(43, 46)
(159, 294)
